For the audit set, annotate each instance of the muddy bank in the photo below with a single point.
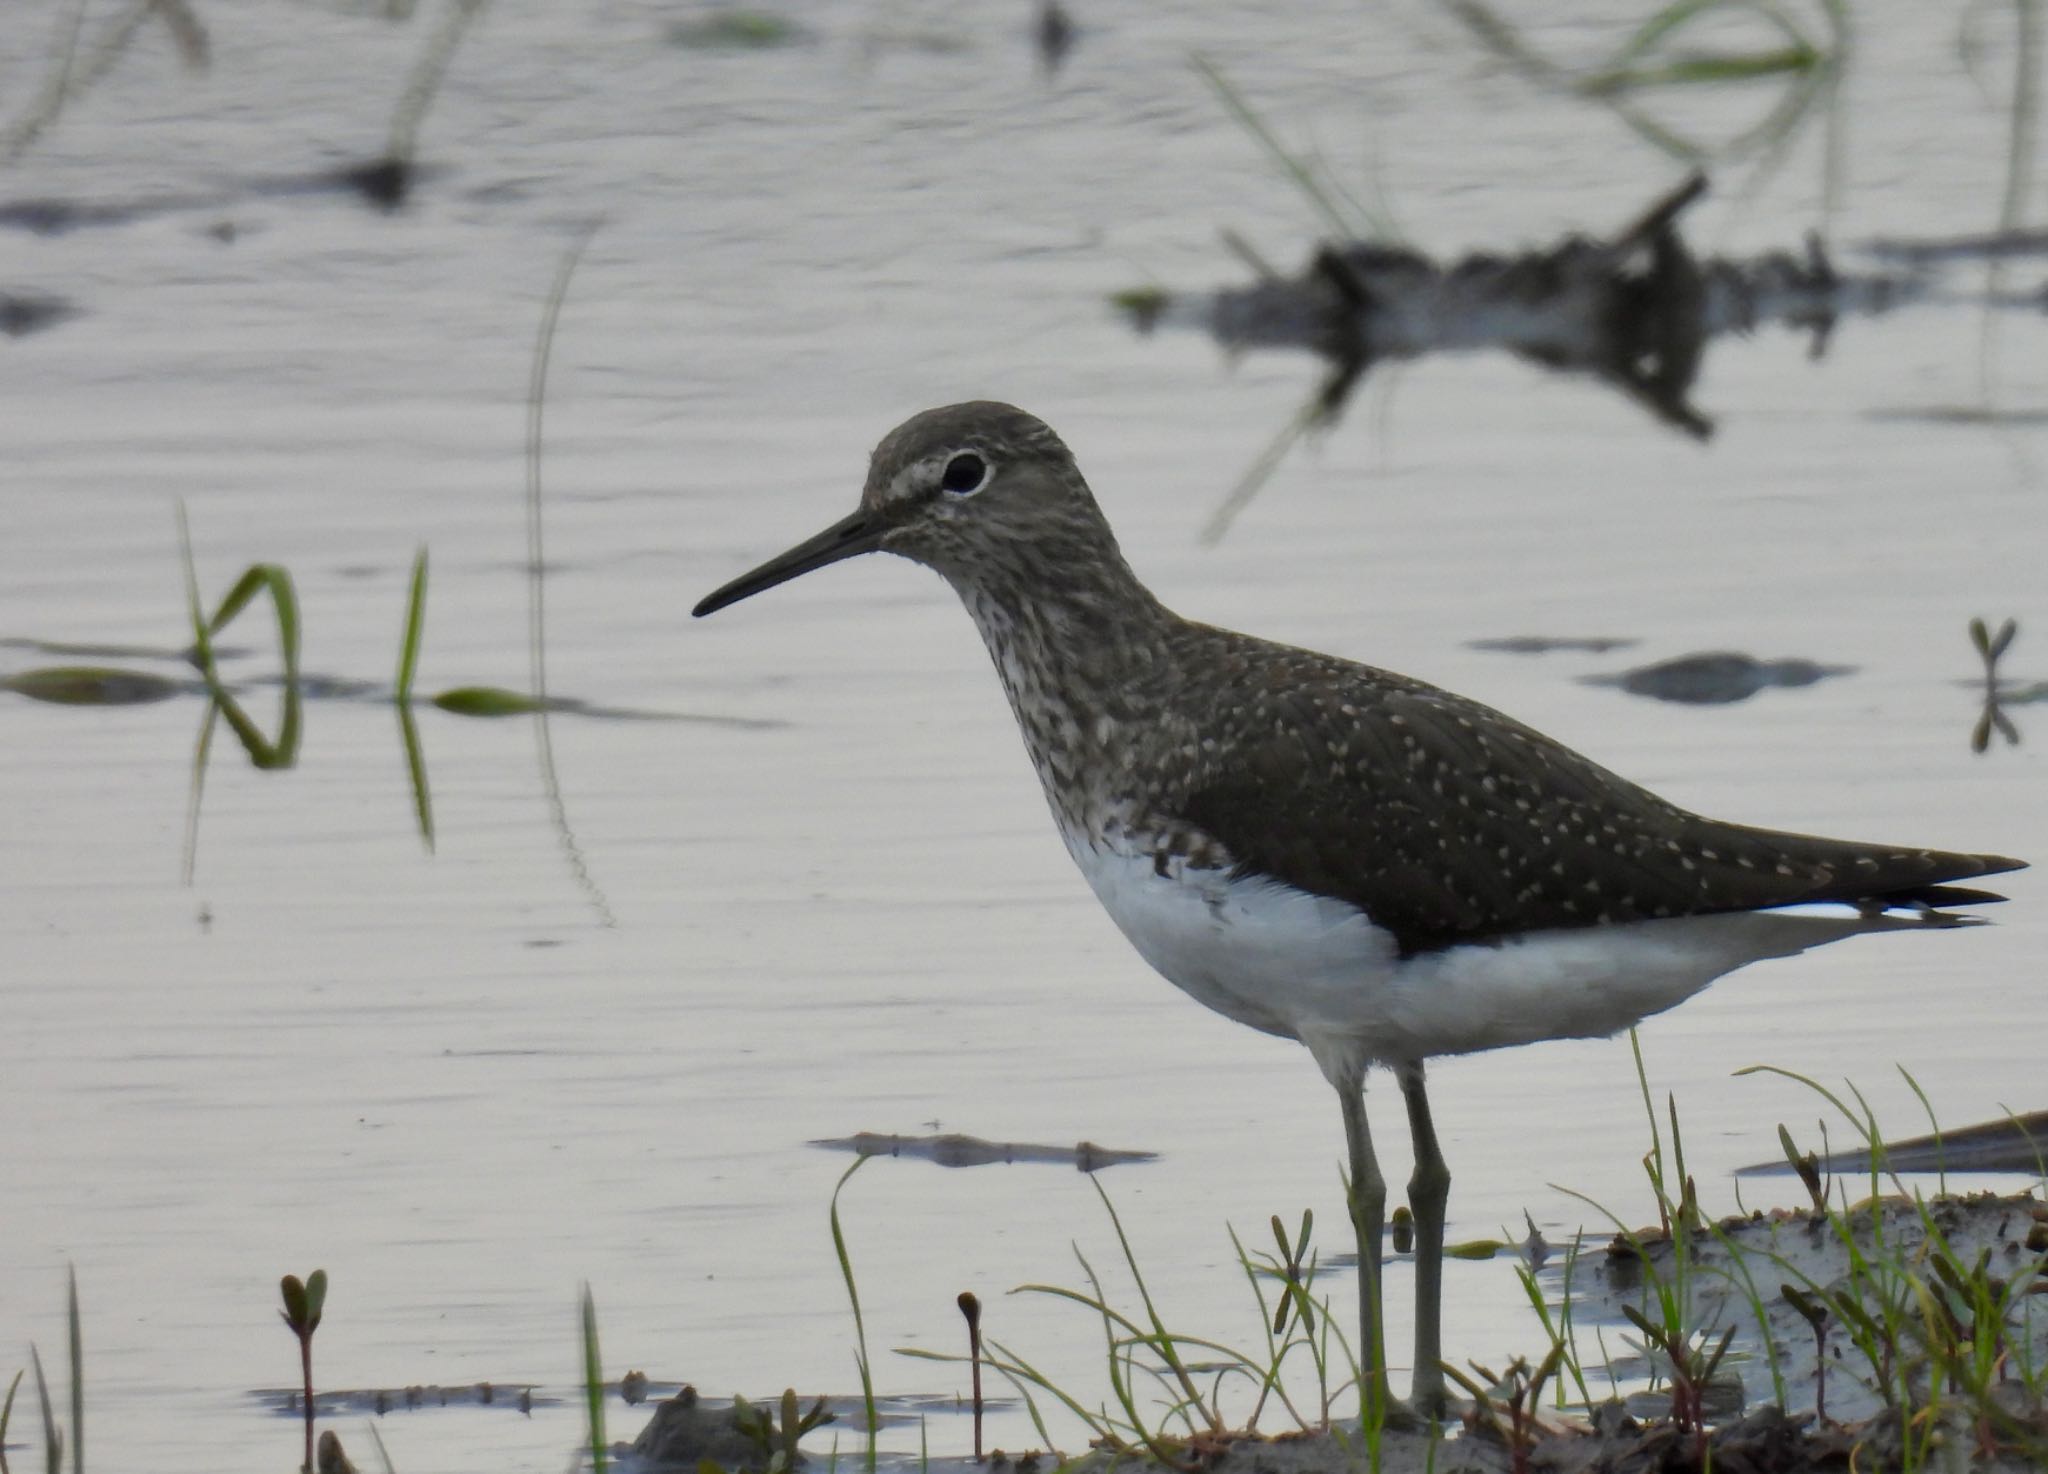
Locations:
(1766, 1442)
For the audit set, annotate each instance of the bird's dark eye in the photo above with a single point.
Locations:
(964, 474)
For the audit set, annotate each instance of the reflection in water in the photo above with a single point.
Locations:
(110, 686)
(76, 68)
(952, 1149)
(114, 686)
(1687, 47)
(94, 685)
(1998, 692)
(1544, 644)
(22, 313)
(264, 753)
(522, 1397)
(536, 580)
(416, 772)
(1633, 312)
(2014, 1143)
(1055, 35)
(77, 65)
(1716, 677)
(100, 651)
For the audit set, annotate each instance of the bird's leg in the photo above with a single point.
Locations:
(1367, 1192)
(1428, 1191)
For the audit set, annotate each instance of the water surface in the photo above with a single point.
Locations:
(466, 1081)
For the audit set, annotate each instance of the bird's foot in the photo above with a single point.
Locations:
(1404, 1415)
(1422, 1411)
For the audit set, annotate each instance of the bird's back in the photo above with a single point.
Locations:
(1446, 821)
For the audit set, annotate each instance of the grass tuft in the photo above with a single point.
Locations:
(1167, 1388)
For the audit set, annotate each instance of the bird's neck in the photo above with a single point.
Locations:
(1082, 648)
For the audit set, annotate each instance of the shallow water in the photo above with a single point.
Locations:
(466, 1081)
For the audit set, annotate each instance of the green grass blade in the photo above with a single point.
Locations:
(1164, 1341)
(415, 626)
(536, 583)
(416, 772)
(860, 1332)
(1635, 1045)
(2037, 1147)
(200, 752)
(1276, 1350)
(1673, 18)
(383, 1453)
(6, 1416)
(53, 1436)
(1003, 1370)
(1119, 1383)
(1095, 1303)
(77, 1373)
(1100, 1426)
(425, 80)
(1663, 23)
(1505, 42)
(273, 579)
(1685, 71)
(1739, 1270)
(1933, 1125)
(202, 645)
(1304, 177)
(593, 1383)
(1261, 470)
(536, 401)
(265, 754)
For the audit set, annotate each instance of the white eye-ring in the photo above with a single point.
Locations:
(965, 474)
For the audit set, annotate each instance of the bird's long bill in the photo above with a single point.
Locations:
(846, 538)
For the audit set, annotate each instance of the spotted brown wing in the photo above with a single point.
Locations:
(1447, 822)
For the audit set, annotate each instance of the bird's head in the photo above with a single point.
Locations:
(979, 491)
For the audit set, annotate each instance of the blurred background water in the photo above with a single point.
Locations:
(823, 896)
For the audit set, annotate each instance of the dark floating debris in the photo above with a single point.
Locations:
(1958, 414)
(23, 313)
(1544, 644)
(383, 182)
(2010, 1144)
(736, 29)
(1716, 678)
(1055, 35)
(952, 1149)
(743, 1438)
(61, 217)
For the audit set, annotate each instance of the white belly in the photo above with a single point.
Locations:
(1318, 970)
